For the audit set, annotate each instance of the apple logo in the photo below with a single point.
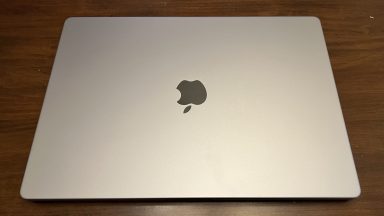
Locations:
(192, 92)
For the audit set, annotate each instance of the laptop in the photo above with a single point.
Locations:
(191, 107)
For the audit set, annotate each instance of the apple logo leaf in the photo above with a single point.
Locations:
(187, 108)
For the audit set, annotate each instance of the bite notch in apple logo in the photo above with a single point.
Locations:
(192, 92)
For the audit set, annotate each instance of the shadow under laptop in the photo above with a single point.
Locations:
(160, 201)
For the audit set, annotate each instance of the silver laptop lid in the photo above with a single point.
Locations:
(240, 107)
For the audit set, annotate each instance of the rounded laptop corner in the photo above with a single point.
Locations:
(356, 193)
(315, 19)
(68, 20)
(24, 194)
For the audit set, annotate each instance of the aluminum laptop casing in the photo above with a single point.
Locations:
(111, 127)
